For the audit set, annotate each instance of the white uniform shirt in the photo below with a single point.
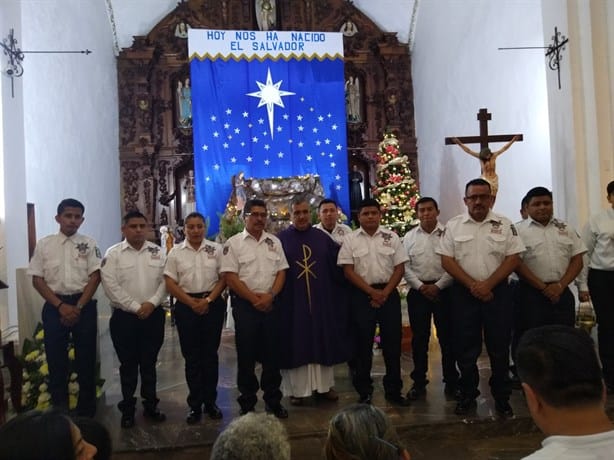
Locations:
(65, 263)
(374, 257)
(195, 271)
(339, 232)
(587, 447)
(549, 248)
(598, 236)
(256, 262)
(132, 277)
(480, 247)
(424, 263)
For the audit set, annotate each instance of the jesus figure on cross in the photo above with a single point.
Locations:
(488, 161)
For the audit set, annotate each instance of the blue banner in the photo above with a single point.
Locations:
(268, 104)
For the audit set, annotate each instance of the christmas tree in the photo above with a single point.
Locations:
(395, 189)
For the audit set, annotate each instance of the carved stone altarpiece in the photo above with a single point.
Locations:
(156, 151)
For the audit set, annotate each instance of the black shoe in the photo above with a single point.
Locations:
(398, 400)
(193, 417)
(465, 406)
(246, 410)
(213, 411)
(503, 408)
(453, 393)
(278, 411)
(154, 415)
(127, 421)
(364, 399)
(416, 393)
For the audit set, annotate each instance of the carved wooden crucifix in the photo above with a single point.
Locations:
(486, 157)
(483, 139)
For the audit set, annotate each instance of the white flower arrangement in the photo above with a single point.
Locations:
(35, 389)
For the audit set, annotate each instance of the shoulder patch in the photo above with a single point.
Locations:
(103, 263)
(225, 251)
(98, 253)
(513, 229)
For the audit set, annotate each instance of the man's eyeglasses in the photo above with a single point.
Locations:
(263, 215)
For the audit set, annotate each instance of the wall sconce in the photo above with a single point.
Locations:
(14, 68)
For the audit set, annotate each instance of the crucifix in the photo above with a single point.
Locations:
(485, 155)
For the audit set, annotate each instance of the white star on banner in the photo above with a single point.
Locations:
(266, 162)
(249, 159)
(216, 166)
(233, 160)
(205, 147)
(309, 158)
(270, 95)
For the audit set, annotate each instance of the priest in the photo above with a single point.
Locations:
(314, 312)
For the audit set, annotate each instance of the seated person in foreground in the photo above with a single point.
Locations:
(363, 432)
(563, 384)
(252, 436)
(37, 435)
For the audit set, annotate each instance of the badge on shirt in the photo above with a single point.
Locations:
(103, 263)
(270, 243)
(387, 239)
(210, 250)
(98, 253)
(513, 229)
(439, 232)
(562, 226)
(225, 251)
(82, 248)
(495, 227)
(155, 252)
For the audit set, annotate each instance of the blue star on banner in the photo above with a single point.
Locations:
(267, 117)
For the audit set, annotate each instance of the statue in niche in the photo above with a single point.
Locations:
(352, 99)
(184, 104)
(181, 30)
(348, 29)
(355, 187)
(240, 195)
(265, 14)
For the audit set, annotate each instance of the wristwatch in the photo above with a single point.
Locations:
(80, 306)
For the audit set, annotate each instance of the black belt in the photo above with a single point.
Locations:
(428, 281)
(69, 298)
(199, 295)
(379, 285)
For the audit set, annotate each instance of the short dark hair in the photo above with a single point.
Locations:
(610, 188)
(560, 364)
(368, 202)
(479, 181)
(134, 214)
(524, 202)
(426, 199)
(195, 215)
(34, 435)
(249, 204)
(298, 199)
(537, 191)
(70, 203)
(326, 201)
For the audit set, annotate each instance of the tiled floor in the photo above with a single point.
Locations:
(429, 428)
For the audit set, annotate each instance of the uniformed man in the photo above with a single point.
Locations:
(479, 250)
(373, 261)
(65, 271)
(552, 260)
(328, 213)
(428, 298)
(597, 235)
(132, 279)
(254, 265)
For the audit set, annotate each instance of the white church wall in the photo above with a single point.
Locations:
(13, 235)
(71, 118)
(457, 70)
